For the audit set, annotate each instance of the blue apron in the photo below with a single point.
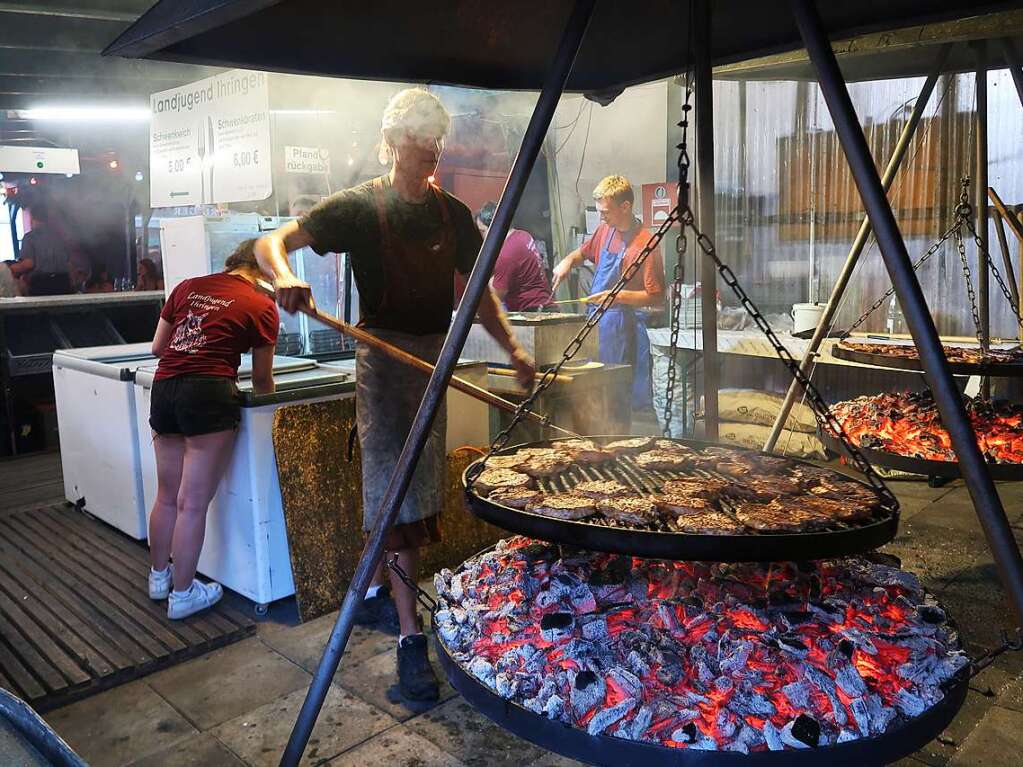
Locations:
(622, 329)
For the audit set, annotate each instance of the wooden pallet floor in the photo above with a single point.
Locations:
(75, 614)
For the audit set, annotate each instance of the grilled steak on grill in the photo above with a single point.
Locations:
(629, 446)
(677, 504)
(600, 489)
(664, 460)
(515, 497)
(563, 507)
(705, 523)
(839, 509)
(630, 511)
(584, 451)
(492, 479)
(780, 516)
(545, 465)
(513, 461)
(697, 487)
(771, 486)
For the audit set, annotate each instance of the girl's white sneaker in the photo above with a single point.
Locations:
(198, 597)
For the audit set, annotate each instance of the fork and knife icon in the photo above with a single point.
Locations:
(206, 144)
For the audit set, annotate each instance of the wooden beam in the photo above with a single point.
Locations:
(1010, 218)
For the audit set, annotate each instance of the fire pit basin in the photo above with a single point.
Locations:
(579, 738)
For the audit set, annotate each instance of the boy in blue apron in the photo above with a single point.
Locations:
(615, 245)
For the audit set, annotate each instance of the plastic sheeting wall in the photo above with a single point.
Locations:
(788, 209)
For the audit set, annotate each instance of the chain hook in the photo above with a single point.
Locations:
(964, 209)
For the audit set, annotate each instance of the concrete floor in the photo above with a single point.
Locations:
(236, 706)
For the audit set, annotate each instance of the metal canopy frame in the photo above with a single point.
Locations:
(228, 33)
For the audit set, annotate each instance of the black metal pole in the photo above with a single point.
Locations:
(532, 140)
(704, 102)
(1012, 62)
(911, 298)
(981, 205)
(835, 300)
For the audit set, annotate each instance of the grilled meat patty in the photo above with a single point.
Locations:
(771, 486)
(513, 461)
(840, 509)
(546, 465)
(705, 523)
(844, 490)
(696, 487)
(583, 451)
(515, 497)
(492, 479)
(780, 516)
(664, 460)
(563, 507)
(601, 488)
(678, 504)
(629, 446)
(629, 511)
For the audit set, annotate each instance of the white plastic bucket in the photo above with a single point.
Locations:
(806, 316)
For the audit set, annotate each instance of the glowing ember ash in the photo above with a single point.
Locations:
(741, 657)
(909, 425)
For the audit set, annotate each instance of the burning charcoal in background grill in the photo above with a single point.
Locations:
(557, 627)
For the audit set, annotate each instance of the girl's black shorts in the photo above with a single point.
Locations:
(194, 405)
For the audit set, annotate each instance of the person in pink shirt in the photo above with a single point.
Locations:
(520, 279)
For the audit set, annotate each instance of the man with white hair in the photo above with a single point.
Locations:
(410, 244)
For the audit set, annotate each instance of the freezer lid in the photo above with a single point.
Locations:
(283, 366)
(119, 362)
(302, 378)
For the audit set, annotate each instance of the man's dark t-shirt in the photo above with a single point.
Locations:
(346, 222)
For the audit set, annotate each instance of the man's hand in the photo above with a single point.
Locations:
(560, 272)
(596, 298)
(293, 294)
(525, 368)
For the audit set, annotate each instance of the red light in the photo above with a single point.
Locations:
(33, 181)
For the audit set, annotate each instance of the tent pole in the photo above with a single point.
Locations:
(907, 288)
(532, 140)
(704, 103)
(1012, 62)
(835, 300)
(981, 208)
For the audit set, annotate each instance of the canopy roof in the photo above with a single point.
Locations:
(908, 52)
(500, 45)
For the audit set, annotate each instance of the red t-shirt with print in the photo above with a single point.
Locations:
(216, 318)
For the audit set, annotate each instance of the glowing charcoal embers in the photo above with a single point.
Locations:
(739, 657)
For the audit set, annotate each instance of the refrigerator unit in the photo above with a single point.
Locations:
(99, 449)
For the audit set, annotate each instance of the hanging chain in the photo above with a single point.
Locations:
(891, 291)
(968, 275)
(820, 407)
(996, 274)
(681, 245)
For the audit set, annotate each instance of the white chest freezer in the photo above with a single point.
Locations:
(99, 449)
(246, 546)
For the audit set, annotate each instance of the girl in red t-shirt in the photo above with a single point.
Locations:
(205, 326)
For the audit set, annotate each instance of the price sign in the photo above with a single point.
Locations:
(209, 141)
